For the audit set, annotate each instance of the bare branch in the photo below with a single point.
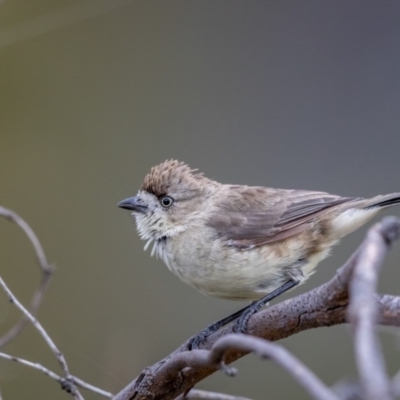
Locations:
(206, 395)
(363, 310)
(84, 385)
(271, 322)
(245, 343)
(56, 377)
(69, 382)
(60, 357)
(14, 217)
(38, 326)
(46, 270)
(33, 365)
(325, 305)
(347, 390)
(388, 309)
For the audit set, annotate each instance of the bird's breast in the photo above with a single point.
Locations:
(218, 270)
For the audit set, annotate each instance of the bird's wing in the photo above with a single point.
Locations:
(253, 216)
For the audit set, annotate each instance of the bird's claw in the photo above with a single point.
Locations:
(197, 341)
(240, 325)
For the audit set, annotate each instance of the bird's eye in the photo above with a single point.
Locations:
(166, 201)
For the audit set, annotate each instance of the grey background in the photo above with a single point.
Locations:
(93, 93)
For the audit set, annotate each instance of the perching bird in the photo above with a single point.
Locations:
(241, 242)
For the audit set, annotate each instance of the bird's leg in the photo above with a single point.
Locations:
(242, 316)
(241, 323)
(195, 341)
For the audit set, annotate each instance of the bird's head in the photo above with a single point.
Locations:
(172, 197)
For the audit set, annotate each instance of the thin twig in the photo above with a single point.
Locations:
(14, 217)
(363, 311)
(56, 377)
(45, 267)
(265, 349)
(245, 343)
(69, 382)
(206, 395)
(60, 357)
(33, 365)
(84, 385)
(347, 390)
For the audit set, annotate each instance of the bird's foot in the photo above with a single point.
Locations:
(240, 325)
(241, 317)
(196, 341)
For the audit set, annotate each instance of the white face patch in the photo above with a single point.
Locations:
(156, 223)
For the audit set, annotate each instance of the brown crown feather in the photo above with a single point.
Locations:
(169, 175)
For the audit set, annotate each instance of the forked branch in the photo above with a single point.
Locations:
(45, 268)
(326, 305)
(348, 297)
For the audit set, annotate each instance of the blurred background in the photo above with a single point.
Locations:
(93, 93)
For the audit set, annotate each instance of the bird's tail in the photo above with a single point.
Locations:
(383, 201)
(356, 213)
(373, 206)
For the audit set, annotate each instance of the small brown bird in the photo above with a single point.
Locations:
(241, 242)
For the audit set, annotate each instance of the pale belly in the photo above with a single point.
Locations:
(226, 272)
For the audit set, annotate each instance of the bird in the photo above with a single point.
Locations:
(241, 242)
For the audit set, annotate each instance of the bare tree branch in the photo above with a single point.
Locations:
(322, 306)
(347, 390)
(60, 357)
(45, 267)
(84, 385)
(57, 378)
(363, 311)
(69, 382)
(33, 365)
(206, 395)
(245, 343)
(388, 309)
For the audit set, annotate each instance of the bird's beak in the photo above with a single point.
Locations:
(134, 204)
